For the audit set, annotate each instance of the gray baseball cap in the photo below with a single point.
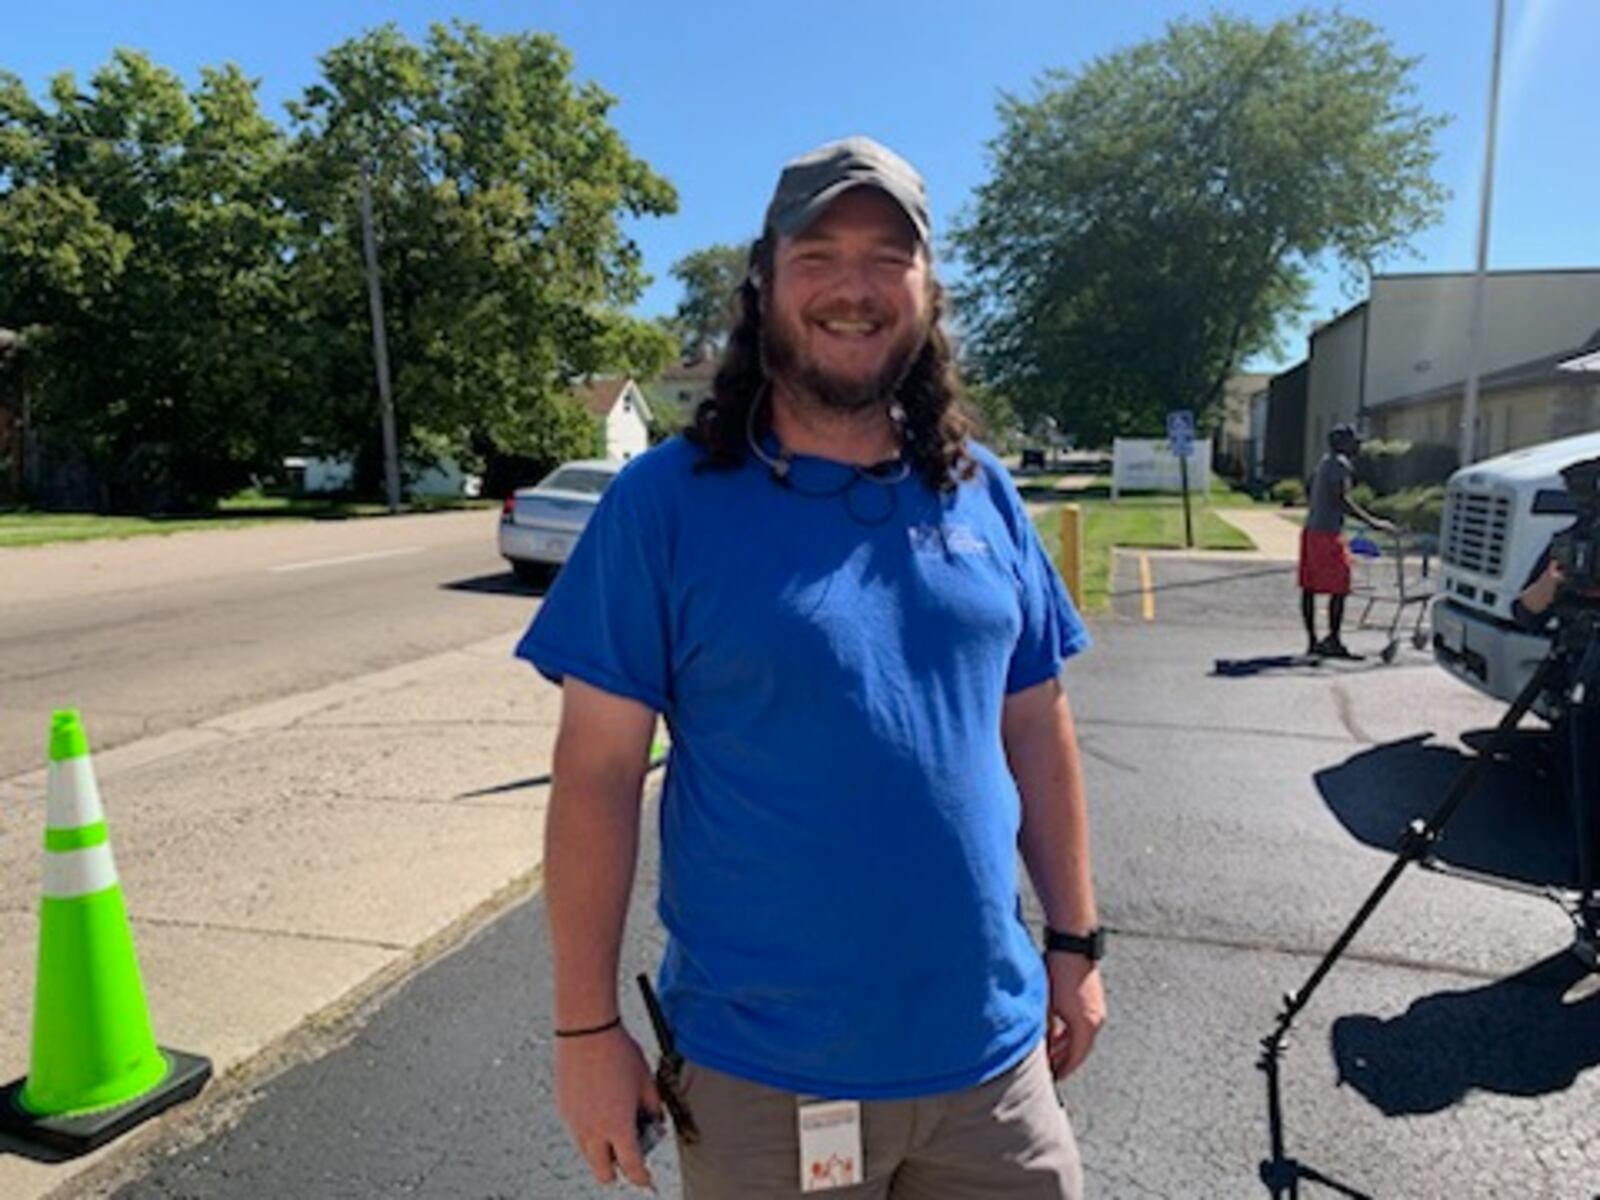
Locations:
(813, 181)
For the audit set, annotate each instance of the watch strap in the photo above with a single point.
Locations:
(1091, 945)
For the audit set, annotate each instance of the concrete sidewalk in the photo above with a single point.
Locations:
(285, 863)
(1277, 536)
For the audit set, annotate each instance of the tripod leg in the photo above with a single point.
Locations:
(1579, 727)
(1417, 841)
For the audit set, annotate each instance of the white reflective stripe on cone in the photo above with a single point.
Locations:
(72, 798)
(72, 873)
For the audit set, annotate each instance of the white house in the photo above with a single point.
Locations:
(620, 407)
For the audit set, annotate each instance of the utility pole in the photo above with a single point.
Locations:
(1469, 402)
(380, 343)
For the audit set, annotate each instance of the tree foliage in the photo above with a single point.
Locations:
(711, 278)
(193, 280)
(497, 187)
(1152, 219)
(140, 241)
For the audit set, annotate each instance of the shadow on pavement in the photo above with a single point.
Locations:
(1518, 1036)
(1513, 825)
(1239, 668)
(500, 789)
(33, 1152)
(502, 583)
(1295, 664)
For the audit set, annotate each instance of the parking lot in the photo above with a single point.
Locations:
(1238, 823)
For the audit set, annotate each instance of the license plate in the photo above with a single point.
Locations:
(558, 545)
(1452, 632)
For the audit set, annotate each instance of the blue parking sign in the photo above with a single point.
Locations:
(1180, 432)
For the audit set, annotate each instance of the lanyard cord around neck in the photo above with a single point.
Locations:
(779, 467)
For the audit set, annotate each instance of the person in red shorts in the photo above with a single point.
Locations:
(1324, 557)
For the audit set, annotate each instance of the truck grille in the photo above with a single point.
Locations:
(1476, 525)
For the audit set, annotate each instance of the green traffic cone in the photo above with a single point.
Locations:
(95, 1070)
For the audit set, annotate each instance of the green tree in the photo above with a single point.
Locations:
(140, 243)
(711, 278)
(498, 189)
(994, 410)
(1151, 219)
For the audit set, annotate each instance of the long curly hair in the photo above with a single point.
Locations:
(937, 423)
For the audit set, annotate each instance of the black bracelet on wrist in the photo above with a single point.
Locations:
(591, 1030)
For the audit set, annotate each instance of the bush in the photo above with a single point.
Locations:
(1393, 467)
(1290, 493)
(1418, 509)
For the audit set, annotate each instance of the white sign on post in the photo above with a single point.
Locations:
(1149, 465)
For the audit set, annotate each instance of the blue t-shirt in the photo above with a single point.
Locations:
(839, 826)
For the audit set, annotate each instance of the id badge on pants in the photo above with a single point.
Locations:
(830, 1145)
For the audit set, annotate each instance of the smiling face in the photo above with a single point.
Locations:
(848, 304)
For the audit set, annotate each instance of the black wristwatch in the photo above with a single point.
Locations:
(1091, 945)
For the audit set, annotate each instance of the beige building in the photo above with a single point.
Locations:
(1404, 351)
(1237, 437)
(1521, 405)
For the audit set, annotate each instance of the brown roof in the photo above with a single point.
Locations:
(600, 396)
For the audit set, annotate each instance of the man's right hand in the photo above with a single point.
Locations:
(602, 1082)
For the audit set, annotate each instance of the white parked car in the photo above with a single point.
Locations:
(539, 525)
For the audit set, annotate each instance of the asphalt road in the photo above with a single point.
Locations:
(1238, 822)
(152, 634)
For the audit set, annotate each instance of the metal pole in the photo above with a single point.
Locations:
(380, 344)
(1188, 524)
(1469, 402)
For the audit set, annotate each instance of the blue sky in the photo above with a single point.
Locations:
(716, 94)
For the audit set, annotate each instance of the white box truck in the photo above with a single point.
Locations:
(1490, 537)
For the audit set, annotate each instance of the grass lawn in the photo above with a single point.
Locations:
(1146, 521)
(27, 528)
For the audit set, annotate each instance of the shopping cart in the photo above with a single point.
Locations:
(1404, 582)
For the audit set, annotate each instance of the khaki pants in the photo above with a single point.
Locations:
(1007, 1139)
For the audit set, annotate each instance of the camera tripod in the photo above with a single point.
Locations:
(1576, 655)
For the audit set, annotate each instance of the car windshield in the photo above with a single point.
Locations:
(579, 479)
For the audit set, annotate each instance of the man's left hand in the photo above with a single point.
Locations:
(1077, 1010)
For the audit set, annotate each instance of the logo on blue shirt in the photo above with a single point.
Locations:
(945, 539)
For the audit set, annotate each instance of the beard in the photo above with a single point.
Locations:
(783, 357)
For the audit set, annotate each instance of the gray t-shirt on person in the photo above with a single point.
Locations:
(1330, 482)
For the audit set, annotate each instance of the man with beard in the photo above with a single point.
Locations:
(835, 599)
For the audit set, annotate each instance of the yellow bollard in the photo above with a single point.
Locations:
(1072, 551)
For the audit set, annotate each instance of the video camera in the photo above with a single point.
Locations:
(1577, 548)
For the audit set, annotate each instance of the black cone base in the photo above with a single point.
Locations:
(73, 1135)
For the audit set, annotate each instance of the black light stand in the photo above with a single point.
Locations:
(1282, 1174)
